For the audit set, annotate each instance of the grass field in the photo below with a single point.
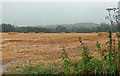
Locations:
(46, 47)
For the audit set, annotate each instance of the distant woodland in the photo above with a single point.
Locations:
(78, 28)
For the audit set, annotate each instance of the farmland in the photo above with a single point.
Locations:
(46, 47)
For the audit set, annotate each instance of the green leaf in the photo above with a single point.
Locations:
(107, 43)
(90, 57)
(98, 50)
(18, 67)
(63, 58)
(102, 54)
(116, 52)
(66, 55)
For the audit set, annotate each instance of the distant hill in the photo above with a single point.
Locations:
(75, 25)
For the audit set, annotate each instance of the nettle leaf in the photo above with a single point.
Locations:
(107, 43)
(68, 58)
(108, 46)
(18, 67)
(65, 61)
(66, 55)
(81, 47)
(62, 54)
(90, 57)
(102, 54)
(63, 58)
(83, 53)
(114, 47)
(86, 55)
(116, 52)
(112, 58)
(98, 50)
(112, 54)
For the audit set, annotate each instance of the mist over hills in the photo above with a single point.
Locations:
(89, 25)
(76, 27)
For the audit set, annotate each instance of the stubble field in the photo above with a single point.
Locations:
(46, 47)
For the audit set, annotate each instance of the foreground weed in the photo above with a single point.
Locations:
(67, 62)
(108, 56)
(85, 57)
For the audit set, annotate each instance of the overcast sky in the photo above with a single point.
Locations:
(47, 13)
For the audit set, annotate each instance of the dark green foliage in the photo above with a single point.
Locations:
(32, 29)
(60, 29)
(7, 28)
(108, 56)
(81, 29)
(86, 59)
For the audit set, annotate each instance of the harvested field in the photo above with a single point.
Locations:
(47, 47)
(12, 33)
(94, 32)
(103, 33)
(63, 32)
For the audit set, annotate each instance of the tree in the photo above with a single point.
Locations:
(7, 28)
(60, 29)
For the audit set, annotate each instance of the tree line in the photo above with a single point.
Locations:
(11, 28)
